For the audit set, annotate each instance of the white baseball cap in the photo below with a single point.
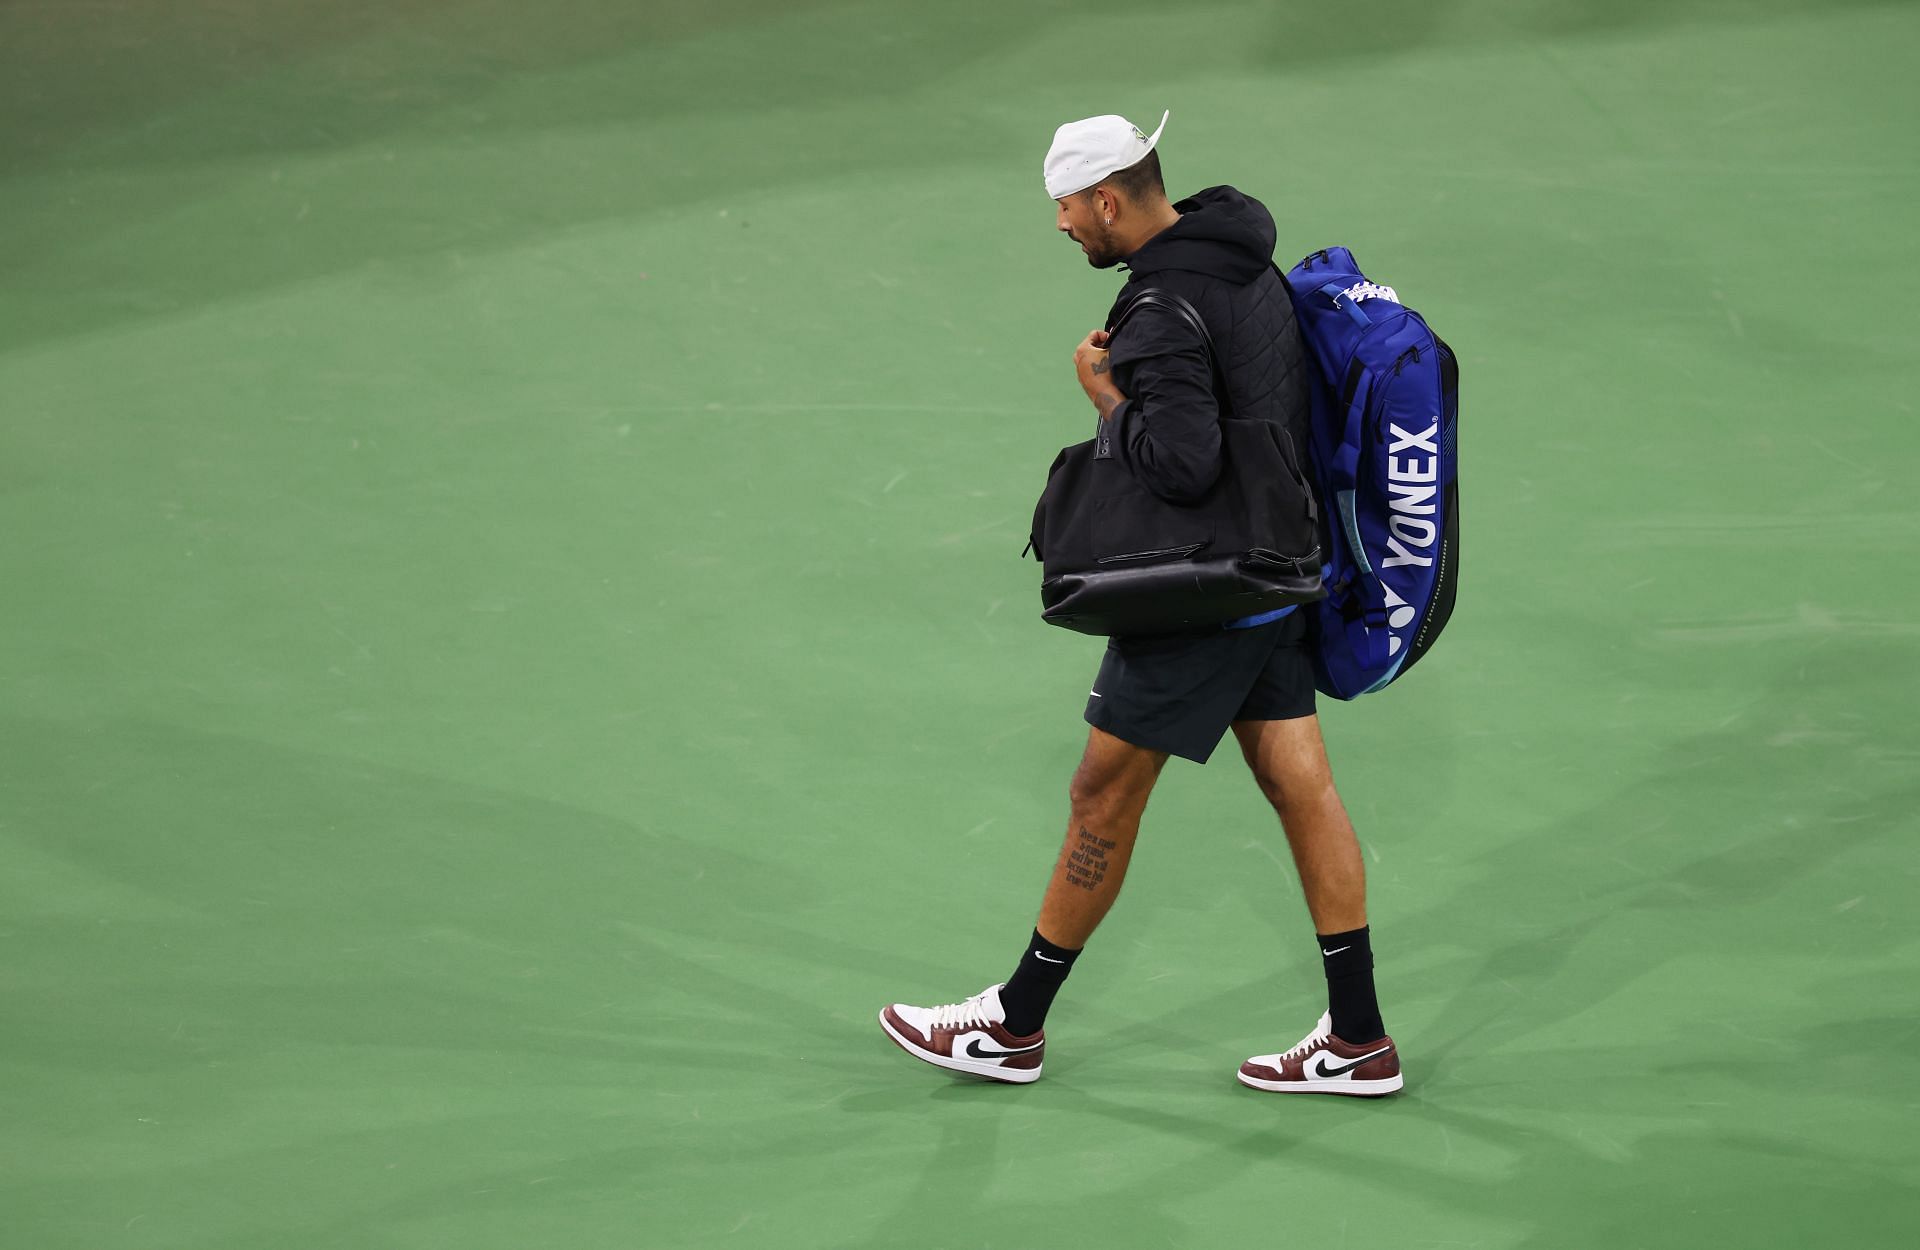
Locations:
(1084, 152)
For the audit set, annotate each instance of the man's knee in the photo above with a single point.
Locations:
(1298, 803)
(1271, 787)
(1112, 777)
(1289, 763)
(1092, 790)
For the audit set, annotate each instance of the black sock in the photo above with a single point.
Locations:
(1348, 958)
(1029, 992)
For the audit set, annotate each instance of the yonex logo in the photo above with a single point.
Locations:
(1365, 290)
(1412, 483)
(1413, 473)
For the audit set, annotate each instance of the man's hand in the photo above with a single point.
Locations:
(1090, 362)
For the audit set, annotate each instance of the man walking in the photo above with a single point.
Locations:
(1161, 400)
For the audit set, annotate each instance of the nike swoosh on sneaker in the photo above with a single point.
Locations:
(973, 1049)
(1326, 1071)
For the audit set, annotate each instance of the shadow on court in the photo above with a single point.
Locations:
(1648, 1120)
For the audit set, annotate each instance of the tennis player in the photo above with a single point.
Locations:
(1160, 407)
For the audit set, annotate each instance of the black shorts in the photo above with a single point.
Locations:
(1178, 692)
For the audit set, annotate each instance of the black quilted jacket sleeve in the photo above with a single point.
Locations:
(1168, 431)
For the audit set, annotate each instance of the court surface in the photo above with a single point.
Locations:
(515, 648)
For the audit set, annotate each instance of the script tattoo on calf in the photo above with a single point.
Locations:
(1087, 861)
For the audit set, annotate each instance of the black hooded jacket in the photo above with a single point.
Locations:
(1218, 257)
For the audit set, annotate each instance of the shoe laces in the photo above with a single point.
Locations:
(1311, 1041)
(961, 1014)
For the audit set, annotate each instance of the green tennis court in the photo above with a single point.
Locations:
(514, 647)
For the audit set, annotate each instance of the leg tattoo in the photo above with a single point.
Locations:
(1087, 862)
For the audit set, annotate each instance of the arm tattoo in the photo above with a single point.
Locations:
(1102, 366)
(1087, 861)
(1106, 401)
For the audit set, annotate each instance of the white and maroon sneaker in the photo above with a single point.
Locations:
(1325, 1064)
(968, 1037)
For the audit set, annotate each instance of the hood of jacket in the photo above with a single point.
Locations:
(1221, 233)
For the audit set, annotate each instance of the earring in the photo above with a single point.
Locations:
(1109, 221)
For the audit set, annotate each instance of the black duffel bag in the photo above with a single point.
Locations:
(1118, 559)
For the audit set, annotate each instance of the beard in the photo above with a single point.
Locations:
(1102, 251)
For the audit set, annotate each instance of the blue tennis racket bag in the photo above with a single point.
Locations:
(1385, 462)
